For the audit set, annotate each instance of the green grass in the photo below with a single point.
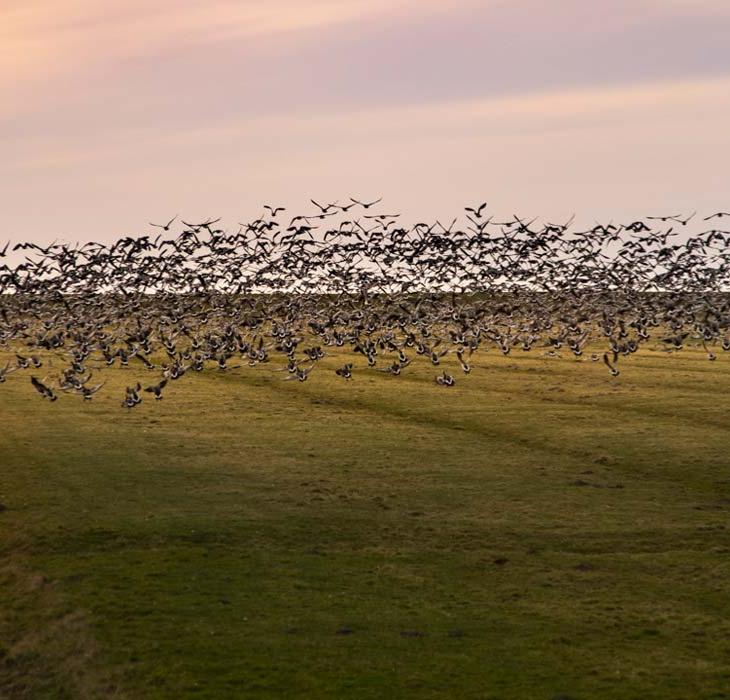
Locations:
(213, 544)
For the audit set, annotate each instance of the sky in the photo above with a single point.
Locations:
(116, 114)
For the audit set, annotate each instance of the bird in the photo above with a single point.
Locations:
(396, 367)
(465, 366)
(5, 371)
(300, 374)
(478, 210)
(132, 397)
(611, 365)
(366, 205)
(165, 227)
(436, 355)
(710, 355)
(45, 391)
(156, 389)
(22, 362)
(345, 371)
(445, 379)
(88, 392)
(323, 209)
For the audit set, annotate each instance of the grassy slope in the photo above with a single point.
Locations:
(213, 544)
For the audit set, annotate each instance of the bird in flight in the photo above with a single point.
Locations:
(165, 227)
(366, 205)
(478, 211)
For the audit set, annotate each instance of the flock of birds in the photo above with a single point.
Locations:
(292, 291)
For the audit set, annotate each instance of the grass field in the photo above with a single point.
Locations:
(541, 530)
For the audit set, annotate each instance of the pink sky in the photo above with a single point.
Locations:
(114, 114)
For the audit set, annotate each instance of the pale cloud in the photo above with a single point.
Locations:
(82, 26)
(188, 62)
(538, 112)
(124, 111)
(599, 152)
(42, 41)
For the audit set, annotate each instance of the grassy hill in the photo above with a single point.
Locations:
(540, 530)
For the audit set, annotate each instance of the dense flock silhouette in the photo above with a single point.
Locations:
(290, 291)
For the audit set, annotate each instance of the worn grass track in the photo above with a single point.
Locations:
(248, 537)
